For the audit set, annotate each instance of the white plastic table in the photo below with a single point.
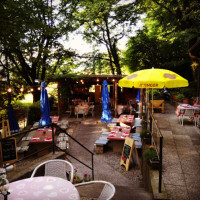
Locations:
(42, 188)
(184, 110)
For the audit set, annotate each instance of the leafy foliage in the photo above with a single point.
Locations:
(150, 154)
(34, 113)
(145, 134)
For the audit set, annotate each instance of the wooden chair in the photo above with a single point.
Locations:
(56, 168)
(107, 192)
(157, 104)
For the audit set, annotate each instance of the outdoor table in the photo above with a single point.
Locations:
(84, 107)
(184, 110)
(54, 119)
(42, 138)
(117, 139)
(41, 188)
(126, 119)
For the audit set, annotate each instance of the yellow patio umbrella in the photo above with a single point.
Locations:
(153, 78)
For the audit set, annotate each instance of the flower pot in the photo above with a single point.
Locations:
(186, 101)
(154, 164)
(146, 140)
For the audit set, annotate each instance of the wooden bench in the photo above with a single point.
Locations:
(157, 104)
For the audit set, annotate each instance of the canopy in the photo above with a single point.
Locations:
(45, 106)
(153, 78)
(106, 114)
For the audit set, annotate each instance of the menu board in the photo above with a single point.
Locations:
(129, 146)
(8, 150)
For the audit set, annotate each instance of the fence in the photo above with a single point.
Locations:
(157, 141)
(18, 136)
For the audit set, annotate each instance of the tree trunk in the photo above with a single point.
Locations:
(36, 95)
(116, 58)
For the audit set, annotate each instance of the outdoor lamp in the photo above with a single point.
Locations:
(21, 89)
(32, 89)
(39, 88)
(9, 90)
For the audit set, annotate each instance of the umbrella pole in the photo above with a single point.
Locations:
(152, 100)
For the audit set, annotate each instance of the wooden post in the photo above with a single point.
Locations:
(58, 98)
(116, 94)
(141, 102)
(5, 128)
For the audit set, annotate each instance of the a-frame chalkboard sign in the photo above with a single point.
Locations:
(8, 150)
(129, 146)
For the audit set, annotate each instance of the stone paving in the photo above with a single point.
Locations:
(181, 161)
(129, 185)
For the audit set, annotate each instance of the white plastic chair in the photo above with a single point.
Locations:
(56, 168)
(196, 114)
(107, 192)
(91, 110)
(186, 113)
(81, 111)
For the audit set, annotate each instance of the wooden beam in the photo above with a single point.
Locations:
(116, 94)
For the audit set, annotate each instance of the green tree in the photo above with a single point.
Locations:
(29, 38)
(106, 22)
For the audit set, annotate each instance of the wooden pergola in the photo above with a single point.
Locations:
(87, 82)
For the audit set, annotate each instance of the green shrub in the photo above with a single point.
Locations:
(150, 154)
(157, 94)
(145, 134)
(180, 97)
(34, 113)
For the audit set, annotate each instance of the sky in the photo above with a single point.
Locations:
(76, 43)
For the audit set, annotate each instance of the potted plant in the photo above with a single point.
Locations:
(150, 154)
(180, 97)
(145, 136)
(143, 115)
(3, 181)
(144, 123)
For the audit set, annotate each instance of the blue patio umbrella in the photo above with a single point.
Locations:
(45, 106)
(138, 96)
(13, 123)
(106, 114)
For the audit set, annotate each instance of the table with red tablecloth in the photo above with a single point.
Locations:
(126, 119)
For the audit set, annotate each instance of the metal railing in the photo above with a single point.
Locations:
(53, 145)
(157, 141)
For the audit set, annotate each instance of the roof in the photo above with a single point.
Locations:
(89, 79)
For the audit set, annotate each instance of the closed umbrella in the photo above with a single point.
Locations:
(106, 114)
(45, 106)
(13, 123)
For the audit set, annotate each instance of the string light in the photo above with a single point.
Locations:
(21, 89)
(39, 88)
(31, 89)
(9, 90)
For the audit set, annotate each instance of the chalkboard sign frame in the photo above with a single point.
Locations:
(5, 151)
(129, 146)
